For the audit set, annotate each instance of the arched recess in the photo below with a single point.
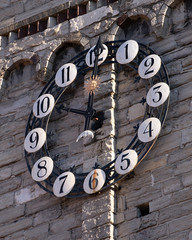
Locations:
(73, 97)
(15, 74)
(180, 16)
(61, 55)
(137, 28)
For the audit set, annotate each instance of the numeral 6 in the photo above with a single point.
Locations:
(94, 181)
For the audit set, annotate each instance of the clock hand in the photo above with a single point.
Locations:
(74, 110)
(97, 51)
(89, 111)
(93, 84)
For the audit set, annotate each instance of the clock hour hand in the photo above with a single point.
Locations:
(88, 113)
(73, 110)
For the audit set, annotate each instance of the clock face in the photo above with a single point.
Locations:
(62, 178)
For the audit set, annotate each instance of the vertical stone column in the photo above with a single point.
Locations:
(52, 21)
(12, 37)
(3, 42)
(98, 209)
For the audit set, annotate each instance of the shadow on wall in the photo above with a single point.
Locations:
(137, 28)
(18, 76)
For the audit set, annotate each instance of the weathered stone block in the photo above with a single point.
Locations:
(187, 179)
(47, 215)
(6, 200)
(41, 203)
(180, 224)
(136, 111)
(173, 211)
(131, 213)
(167, 143)
(184, 91)
(159, 203)
(172, 185)
(38, 232)
(27, 194)
(150, 233)
(149, 220)
(12, 213)
(5, 173)
(151, 164)
(129, 227)
(103, 232)
(10, 184)
(183, 166)
(71, 221)
(99, 220)
(99, 205)
(86, 20)
(15, 226)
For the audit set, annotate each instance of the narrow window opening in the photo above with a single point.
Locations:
(143, 209)
(22, 32)
(72, 12)
(111, 1)
(42, 25)
(62, 16)
(32, 28)
(82, 9)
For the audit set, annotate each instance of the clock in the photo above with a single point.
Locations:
(52, 102)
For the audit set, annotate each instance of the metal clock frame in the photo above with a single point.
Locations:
(141, 148)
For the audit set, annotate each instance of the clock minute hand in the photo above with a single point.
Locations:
(90, 111)
(97, 51)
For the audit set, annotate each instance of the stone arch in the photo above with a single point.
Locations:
(180, 15)
(157, 15)
(137, 27)
(27, 58)
(63, 52)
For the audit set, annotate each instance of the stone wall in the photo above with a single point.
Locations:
(154, 202)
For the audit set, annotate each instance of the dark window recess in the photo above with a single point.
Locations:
(41, 25)
(72, 12)
(22, 32)
(143, 209)
(62, 16)
(111, 1)
(32, 28)
(82, 9)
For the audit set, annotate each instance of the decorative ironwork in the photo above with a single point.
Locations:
(142, 148)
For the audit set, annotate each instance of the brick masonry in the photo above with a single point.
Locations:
(153, 203)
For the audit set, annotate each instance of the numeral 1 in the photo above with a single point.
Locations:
(63, 74)
(126, 51)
